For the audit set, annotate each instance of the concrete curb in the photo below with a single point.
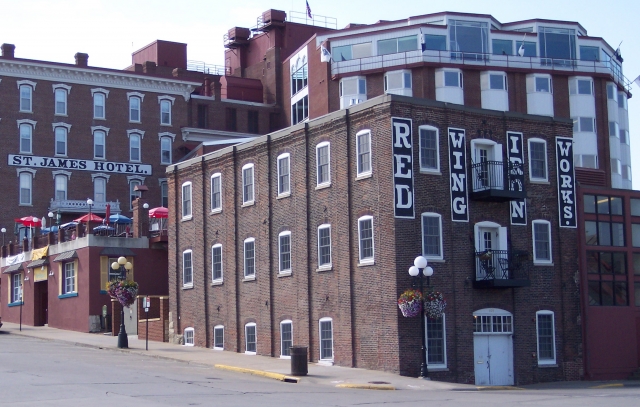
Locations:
(485, 388)
(365, 386)
(271, 375)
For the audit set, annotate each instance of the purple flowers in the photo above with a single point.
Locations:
(124, 291)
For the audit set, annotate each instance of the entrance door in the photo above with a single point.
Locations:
(493, 347)
(40, 303)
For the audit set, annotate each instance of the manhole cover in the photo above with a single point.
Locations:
(379, 383)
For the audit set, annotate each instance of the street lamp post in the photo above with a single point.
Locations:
(124, 266)
(3, 230)
(90, 204)
(419, 269)
(57, 215)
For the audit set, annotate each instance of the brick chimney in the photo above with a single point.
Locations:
(82, 59)
(140, 218)
(149, 67)
(8, 50)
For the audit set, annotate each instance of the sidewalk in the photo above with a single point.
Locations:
(262, 365)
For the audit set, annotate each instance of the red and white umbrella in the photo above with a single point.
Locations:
(30, 221)
(159, 213)
(85, 218)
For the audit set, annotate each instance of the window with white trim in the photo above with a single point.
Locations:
(189, 337)
(542, 84)
(165, 150)
(26, 96)
(299, 75)
(398, 82)
(250, 339)
(164, 193)
(134, 147)
(453, 78)
(133, 194)
(99, 144)
(352, 91)
(284, 251)
(99, 105)
(247, 184)
(216, 192)
(16, 287)
(218, 337)
(538, 160)
(60, 141)
(99, 189)
(60, 96)
(284, 174)
(165, 112)
(134, 109)
(365, 240)
(498, 81)
(187, 269)
(26, 137)
(546, 333)
(326, 339)
(216, 262)
(323, 169)
(584, 124)
(580, 86)
(60, 182)
(436, 342)
(286, 338)
(541, 242)
(363, 151)
(324, 246)
(186, 200)
(429, 149)
(300, 110)
(69, 282)
(250, 258)
(26, 187)
(432, 235)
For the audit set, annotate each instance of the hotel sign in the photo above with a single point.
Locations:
(57, 163)
(402, 168)
(566, 182)
(458, 170)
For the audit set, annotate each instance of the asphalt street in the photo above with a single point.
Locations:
(36, 372)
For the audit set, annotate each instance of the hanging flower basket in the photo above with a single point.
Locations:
(485, 255)
(434, 305)
(410, 303)
(124, 291)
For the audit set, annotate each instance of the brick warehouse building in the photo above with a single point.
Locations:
(313, 245)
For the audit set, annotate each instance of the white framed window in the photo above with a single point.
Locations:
(187, 269)
(365, 239)
(189, 337)
(250, 339)
(541, 242)
(324, 246)
(398, 82)
(99, 104)
(352, 91)
(60, 181)
(326, 339)
(133, 194)
(497, 81)
(99, 189)
(586, 160)
(165, 109)
(584, 124)
(60, 93)
(284, 174)
(323, 169)
(164, 192)
(250, 258)
(186, 200)
(299, 74)
(453, 79)
(580, 86)
(429, 149)
(286, 338)
(60, 134)
(538, 160)
(135, 106)
(616, 166)
(612, 92)
(546, 333)
(432, 235)
(542, 84)
(26, 128)
(216, 192)
(100, 142)
(218, 337)
(165, 150)
(247, 184)
(363, 151)
(69, 284)
(26, 89)
(300, 110)
(16, 287)
(26, 186)
(134, 147)
(284, 252)
(216, 262)
(436, 342)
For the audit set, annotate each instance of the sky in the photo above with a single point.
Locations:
(110, 30)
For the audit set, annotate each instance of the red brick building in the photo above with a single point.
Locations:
(305, 237)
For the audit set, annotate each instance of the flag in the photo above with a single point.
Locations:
(325, 55)
(309, 11)
(637, 81)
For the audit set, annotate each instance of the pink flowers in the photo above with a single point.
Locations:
(124, 291)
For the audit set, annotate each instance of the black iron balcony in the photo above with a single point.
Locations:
(497, 181)
(501, 269)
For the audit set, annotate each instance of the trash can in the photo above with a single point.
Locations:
(299, 360)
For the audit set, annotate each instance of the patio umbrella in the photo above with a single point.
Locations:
(160, 212)
(103, 228)
(30, 221)
(53, 229)
(85, 218)
(117, 218)
(108, 214)
(68, 225)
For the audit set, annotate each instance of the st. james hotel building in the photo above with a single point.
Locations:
(305, 237)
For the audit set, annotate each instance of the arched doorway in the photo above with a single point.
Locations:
(493, 347)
